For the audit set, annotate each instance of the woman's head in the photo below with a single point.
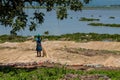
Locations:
(38, 36)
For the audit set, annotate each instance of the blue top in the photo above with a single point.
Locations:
(38, 46)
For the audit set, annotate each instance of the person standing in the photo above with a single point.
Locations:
(38, 46)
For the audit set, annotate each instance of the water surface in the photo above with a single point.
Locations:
(72, 23)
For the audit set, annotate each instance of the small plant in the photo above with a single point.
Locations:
(46, 33)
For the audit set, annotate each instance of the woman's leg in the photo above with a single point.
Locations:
(37, 53)
(40, 53)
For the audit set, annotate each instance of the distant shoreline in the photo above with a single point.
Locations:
(101, 7)
(85, 7)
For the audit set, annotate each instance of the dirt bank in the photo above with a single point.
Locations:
(64, 52)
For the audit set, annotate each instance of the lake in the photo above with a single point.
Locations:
(72, 23)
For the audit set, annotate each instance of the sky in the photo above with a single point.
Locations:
(104, 2)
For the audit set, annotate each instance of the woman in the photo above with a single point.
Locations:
(38, 46)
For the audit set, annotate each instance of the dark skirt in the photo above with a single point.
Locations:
(38, 48)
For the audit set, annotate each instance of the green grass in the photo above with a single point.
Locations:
(55, 73)
(84, 37)
(88, 19)
(102, 24)
(79, 37)
(10, 38)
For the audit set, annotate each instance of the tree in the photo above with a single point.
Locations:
(12, 12)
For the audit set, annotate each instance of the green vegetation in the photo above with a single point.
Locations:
(94, 52)
(111, 17)
(80, 37)
(88, 19)
(101, 24)
(46, 33)
(8, 73)
(84, 37)
(10, 38)
(100, 8)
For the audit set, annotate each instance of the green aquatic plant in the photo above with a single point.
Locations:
(88, 19)
(102, 24)
(112, 17)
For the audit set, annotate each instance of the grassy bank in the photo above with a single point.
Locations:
(84, 37)
(52, 73)
(80, 37)
(10, 38)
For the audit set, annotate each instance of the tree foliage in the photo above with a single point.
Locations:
(12, 12)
